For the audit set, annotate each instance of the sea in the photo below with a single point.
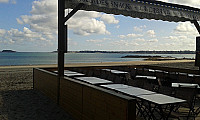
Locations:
(42, 58)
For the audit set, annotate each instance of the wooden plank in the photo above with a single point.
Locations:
(46, 83)
(71, 98)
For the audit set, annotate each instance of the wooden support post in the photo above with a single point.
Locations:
(66, 39)
(62, 39)
(197, 60)
(61, 46)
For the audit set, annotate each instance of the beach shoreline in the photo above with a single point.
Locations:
(100, 64)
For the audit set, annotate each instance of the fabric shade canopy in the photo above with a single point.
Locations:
(143, 9)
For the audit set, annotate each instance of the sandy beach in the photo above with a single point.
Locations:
(19, 101)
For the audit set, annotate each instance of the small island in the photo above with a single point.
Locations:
(155, 58)
(140, 56)
(8, 51)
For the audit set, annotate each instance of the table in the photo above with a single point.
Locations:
(159, 100)
(185, 85)
(115, 71)
(71, 73)
(94, 80)
(149, 97)
(116, 86)
(151, 70)
(129, 90)
(148, 77)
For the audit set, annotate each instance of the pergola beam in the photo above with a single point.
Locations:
(196, 25)
(73, 12)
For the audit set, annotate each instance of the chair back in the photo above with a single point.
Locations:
(166, 90)
(187, 94)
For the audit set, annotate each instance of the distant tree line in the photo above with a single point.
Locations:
(140, 52)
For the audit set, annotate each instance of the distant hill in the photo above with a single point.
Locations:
(8, 51)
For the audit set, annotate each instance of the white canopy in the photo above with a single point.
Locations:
(139, 9)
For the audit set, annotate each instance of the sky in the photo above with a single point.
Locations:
(31, 26)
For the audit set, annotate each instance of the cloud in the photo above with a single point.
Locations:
(2, 32)
(8, 1)
(94, 41)
(176, 38)
(124, 43)
(15, 36)
(4, 1)
(93, 26)
(194, 3)
(118, 26)
(44, 19)
(151, 33)
(186, 28)
(98, 40)
(132, 35)
(152, 40)
(44, 7)
(140, 28)
(110, 19)
(13, 1)
(140, 39)
(85, 23)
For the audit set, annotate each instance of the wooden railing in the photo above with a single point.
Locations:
(85, 101)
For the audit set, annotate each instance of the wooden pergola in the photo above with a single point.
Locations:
(144, 9)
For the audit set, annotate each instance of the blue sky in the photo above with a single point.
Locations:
(31, 25)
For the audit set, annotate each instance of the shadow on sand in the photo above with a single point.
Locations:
(29, 105)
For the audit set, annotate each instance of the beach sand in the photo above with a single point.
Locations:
(19, 101)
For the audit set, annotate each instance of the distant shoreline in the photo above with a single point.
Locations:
(136, 52)
(99, 64)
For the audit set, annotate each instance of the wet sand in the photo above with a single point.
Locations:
(18, 100)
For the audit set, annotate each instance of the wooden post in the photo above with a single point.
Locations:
(62, 38)
(197, 60)
(61, 45)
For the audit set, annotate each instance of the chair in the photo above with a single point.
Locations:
(111, 77)
(97, 73)
(118, 79)
(126, 78)
(89, 73)
(148, 73)
(104, 74)
(159, 74)
(197, 81)
(133, 73)
(139, 71)
(185, 109)
(173, 76)
(183, 78)
(166, 90)
(137, 82)
(151, 87)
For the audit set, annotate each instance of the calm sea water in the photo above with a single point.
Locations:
(36, 58)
